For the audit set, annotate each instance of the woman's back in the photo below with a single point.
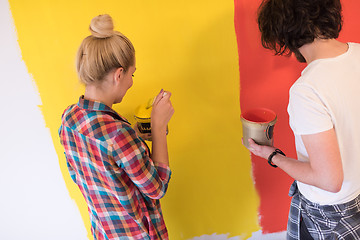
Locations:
(114, 172)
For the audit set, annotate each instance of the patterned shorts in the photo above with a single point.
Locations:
(324, 222)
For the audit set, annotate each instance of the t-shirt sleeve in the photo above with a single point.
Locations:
(308, 113)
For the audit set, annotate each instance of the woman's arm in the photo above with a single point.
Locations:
(324, 170)
(130, 153)
(161, 114)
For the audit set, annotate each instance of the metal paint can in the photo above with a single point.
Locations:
(143, 117)
(258, 124)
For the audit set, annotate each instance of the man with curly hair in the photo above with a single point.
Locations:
(324, 116)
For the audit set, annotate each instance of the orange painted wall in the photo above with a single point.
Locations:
(265, 81)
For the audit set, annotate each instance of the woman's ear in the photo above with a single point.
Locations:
(118, 75)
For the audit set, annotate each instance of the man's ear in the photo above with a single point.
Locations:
(118, 75)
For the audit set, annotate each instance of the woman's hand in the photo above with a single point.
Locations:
(259, 150)
(162, 111)
(161, 114)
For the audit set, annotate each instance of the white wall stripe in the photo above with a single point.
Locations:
(255, 236)
(34, 202)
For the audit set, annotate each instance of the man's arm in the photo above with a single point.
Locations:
(324, 170)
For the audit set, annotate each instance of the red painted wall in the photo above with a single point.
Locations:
(265, 81)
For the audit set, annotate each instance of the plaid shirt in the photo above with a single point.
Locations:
(111, 166)
(324, 222)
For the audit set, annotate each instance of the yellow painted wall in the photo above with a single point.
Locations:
(187, 47)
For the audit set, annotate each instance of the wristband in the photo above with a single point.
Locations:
(272, 155)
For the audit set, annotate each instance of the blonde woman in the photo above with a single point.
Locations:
(121, 182)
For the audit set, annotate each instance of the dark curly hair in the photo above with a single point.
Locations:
(286, 25)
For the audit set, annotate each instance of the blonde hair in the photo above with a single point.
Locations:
(103, 51)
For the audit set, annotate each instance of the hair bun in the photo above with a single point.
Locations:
(102, 26)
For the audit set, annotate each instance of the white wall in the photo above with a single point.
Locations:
(34, 202)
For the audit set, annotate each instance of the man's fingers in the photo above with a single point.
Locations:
(252, 145)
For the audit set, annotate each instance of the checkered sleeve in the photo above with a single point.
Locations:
(65, 140)
(130, 153)
(71, 171)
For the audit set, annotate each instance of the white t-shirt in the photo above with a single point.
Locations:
(327, 95)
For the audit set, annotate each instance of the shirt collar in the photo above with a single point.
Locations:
(98, 106)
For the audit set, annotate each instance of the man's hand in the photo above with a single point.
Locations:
(259, 150)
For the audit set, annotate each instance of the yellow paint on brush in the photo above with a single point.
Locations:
(186, 47)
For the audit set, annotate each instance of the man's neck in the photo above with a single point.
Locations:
(323, 48)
